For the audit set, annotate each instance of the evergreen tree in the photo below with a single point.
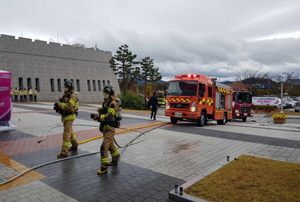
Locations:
(148, 72)
(123, 65)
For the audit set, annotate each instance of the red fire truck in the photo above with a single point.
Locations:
(194, 97)
(242, 105)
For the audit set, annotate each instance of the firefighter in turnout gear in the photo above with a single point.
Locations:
(68, 108)
(30, 92)
(107, 117)
(16, 93)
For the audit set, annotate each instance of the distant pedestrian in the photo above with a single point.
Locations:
(11, 94)
(35, 94)
(21, 95)
(16, 92)
(24, 95)
(153, 104)
(30, 92)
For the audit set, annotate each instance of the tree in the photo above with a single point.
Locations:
(251, 80)
(146, 65)
(148, 72)
(123, 64)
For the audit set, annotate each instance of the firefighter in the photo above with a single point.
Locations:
(35, 93)
(21, 95)
(30, 92)
(107, 117)
(68, 108)
(11, 94)
(24, 95)
(16, 92)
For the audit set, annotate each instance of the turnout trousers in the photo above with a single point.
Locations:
(108, 145)
(68, 136)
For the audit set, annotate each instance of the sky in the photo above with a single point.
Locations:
(217, 38)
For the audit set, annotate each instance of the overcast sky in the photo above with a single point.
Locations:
(211, 37)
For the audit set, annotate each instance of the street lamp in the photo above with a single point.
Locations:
(281, 111)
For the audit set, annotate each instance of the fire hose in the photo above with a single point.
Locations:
(72, 157)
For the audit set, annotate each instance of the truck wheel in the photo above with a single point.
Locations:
(223, 121)
(173, 120)
(244, 119)
(201, 121)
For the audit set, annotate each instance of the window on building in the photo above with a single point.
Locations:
(103, 82)
(99, 85)
(108, 82)
(52, 85)
(89, 85)
(73, 83)
(94, 85)
(37, 84)
(20, 83)
(59, 85)
(29, 85)
(78, 85)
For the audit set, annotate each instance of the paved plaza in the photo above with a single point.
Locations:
(164, 155)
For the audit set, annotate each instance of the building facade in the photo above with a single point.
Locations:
(45, 66)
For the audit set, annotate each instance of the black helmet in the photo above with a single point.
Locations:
(69, 84)
(109, 89)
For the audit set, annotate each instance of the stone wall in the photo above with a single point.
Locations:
(43, 65)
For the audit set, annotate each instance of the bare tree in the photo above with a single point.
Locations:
(253, 79)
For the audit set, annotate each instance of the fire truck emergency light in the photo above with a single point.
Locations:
(191, 76)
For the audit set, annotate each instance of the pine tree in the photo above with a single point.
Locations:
(123, 65)
(148, 72)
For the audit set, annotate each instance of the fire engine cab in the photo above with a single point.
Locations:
(242, 105)
(194, 97)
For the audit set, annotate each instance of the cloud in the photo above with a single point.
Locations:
(216, 38)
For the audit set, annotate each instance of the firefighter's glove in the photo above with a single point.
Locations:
(94, 116)
(102, 117)
(56, 108)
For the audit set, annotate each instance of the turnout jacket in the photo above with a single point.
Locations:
(107, 113)
(69, 104)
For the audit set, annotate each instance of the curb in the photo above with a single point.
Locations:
(179, 196)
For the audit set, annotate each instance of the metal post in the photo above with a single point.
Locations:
(281, 97)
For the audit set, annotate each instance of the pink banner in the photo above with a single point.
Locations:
(5, 100)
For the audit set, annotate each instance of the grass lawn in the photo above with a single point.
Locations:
(250, 178)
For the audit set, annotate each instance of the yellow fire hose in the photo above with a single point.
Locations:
(72, 157)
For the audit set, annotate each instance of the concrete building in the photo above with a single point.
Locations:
(46, 66)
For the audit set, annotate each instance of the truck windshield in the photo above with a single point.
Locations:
(184, 88)
(243, 97)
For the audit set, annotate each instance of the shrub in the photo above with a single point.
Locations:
(279, 116)
(132, 101)
(265, 108)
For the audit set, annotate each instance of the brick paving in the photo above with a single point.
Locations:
(148, 170)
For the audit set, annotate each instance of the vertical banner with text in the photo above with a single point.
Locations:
(5, 99)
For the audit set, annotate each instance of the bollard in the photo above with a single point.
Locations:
(180, 189)
(176, 189)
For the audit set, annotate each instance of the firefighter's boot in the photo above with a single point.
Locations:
(61, 155)
(114, 160)
(103, 169)
(73, 148)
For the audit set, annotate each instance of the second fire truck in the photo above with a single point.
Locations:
(242, 105)
(199, 98)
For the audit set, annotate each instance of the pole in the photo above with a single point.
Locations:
(281, 97)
